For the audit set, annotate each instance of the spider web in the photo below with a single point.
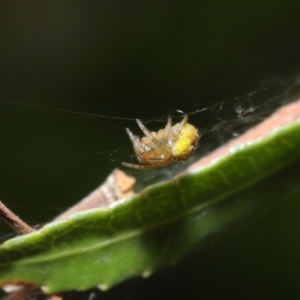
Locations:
(226, 120)
(217, 124)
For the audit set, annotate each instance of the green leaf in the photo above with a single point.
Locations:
(135, 236)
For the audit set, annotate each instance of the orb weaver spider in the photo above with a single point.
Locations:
(158, 149)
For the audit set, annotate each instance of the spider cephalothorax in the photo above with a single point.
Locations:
(168, 145)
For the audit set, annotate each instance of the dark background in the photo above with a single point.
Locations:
(141, 59)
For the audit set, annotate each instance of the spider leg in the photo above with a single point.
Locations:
(146, 132)
(182, 123)
(151, 135)
(138, 167)
(134, 140)
(168, 127)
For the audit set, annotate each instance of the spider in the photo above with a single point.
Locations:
(158, 149)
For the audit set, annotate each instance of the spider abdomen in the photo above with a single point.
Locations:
(186, 143)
